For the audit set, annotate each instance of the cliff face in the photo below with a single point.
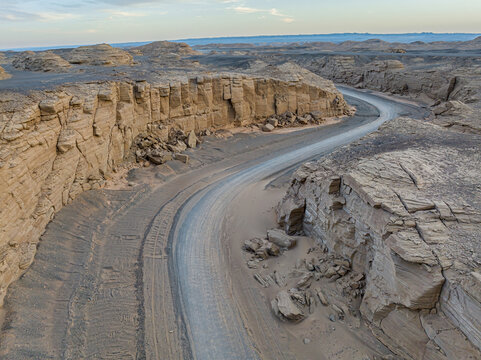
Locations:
(450, 85)
(55, 145)
(408, 216)
(389, 76)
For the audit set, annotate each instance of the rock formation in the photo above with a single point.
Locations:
(453, 91)
(361, 46)
(449, 81)
(57, 144)
(102, 54)
(3, 74)
(408, 216)
(388, 76)
(40, 61)
(165, 48)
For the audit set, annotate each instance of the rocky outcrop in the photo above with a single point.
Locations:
(388, 76)
(3, 74)
(408, 216)
(56, 144)
(451, 86)
(433, 73)
(165, 48)
(102, 54)
(40, 61)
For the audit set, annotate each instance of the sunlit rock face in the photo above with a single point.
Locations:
(55, 145)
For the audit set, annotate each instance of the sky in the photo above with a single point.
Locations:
(28, 23)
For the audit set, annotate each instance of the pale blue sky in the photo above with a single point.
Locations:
(62, 22)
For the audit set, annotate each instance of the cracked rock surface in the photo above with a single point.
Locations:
(403, 205)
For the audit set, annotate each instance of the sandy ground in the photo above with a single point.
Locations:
(142, 272)
(316, 337)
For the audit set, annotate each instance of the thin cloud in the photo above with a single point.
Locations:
(246, 10)
(14, 15)
(119, 13)
(22, 16)
(52, 16)
(274, 12)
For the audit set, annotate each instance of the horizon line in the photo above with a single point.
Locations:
(125, 44)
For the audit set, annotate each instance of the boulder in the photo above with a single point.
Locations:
(302, 120)
(177, 147)
(159, 159)
(280, 238)
(267, 128)
(272, 249)
(290, 214)
(192, 140)
(305, 281)
(284, 307)
(262, 248)
(252, 245)
(182, 157)
(273, 121)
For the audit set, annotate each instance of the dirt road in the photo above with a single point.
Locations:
(142, 272)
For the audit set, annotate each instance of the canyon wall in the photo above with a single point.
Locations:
(389, 76)
(403, 206)
(56, 144)
(451, 86)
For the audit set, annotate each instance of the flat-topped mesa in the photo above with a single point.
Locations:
(54, 145)
(162, 48)
(40, 61)
(387, 206)
(102, 54)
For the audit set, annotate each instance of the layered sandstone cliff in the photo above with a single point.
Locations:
(451, 87)
(56, 144)
(403, 206)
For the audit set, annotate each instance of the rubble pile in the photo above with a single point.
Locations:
(289, 119)
(152, 147)
(318, 279)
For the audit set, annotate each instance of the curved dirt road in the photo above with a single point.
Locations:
(216, 330)
(141, 273)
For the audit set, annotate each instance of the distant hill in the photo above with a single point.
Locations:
(286, 39)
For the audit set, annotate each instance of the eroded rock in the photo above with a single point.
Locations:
(281, 239)
(57, 144)
(284, 307)
(99, 55)
(40, 61)
(399, 219)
